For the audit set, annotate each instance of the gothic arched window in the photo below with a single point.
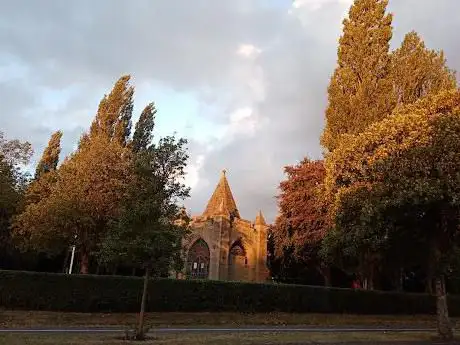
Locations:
(198, 260)
(238, 262)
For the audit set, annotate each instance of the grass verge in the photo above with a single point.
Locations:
(30, 319)
(224, 339)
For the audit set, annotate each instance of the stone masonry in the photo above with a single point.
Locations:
(223, 246)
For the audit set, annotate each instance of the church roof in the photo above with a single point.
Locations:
(260, 220)
(222, 202)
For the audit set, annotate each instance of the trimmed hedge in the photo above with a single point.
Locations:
(90, 293)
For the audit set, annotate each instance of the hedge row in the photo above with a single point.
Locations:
(80, 293)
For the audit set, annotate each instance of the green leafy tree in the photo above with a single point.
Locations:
(367, 85)
(351, 243)
(360, 91)
(143, 133)
(409, 165)
(148, 233)
(13, 181)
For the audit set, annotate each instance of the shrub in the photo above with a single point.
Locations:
(90, 293)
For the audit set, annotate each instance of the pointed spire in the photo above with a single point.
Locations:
(221, 202)
(222, 207)
(260, 220)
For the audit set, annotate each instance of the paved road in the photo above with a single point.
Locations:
(221, 330)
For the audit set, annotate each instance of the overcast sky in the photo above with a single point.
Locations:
(244, 80)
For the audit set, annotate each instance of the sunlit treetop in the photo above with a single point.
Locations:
(360, 90)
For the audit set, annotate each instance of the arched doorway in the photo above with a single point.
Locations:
(238, 263)
(198, 260)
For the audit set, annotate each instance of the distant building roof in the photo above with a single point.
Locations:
(222, 202)
(260, 220)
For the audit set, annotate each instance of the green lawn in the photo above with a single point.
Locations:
(221, 339)
(24, 319)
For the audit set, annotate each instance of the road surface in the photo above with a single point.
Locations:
(221, 330)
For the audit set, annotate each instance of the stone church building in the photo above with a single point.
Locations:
(222, 245)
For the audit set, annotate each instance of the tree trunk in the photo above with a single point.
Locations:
(370, 283)
(429, 280)
(140, 335)
(429, 286)
(445, 330)
(84, 262)
(66, 260)
(326, 273)
(401, 280)
(397, 279)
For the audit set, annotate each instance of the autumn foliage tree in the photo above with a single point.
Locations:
(367, 85)
(113, 118)
(110, 179)
(409, 166)
(417, 71)
(389, 116)
(301, 223)
(50, 157)
(89, 186)
(84, 198)
(360, 90)
(45, 172)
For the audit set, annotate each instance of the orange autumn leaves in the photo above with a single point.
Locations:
(83, 195)
(357, 159)
(301, 222)
(410, 158)
(382, 107)
(361, 85)
(369, 80)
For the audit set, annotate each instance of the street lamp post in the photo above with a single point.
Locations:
(73, 255)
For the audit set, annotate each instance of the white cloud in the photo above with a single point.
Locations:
(314, 5)
(248, 50)
(193, 171)
(258, 74)
(242, 121)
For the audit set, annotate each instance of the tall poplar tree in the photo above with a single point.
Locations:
(400, 179)
(143, 133)
(89, 185)
(45, 175)
(418, 71)
(360, 88)
(114, 114)
(50, 157)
